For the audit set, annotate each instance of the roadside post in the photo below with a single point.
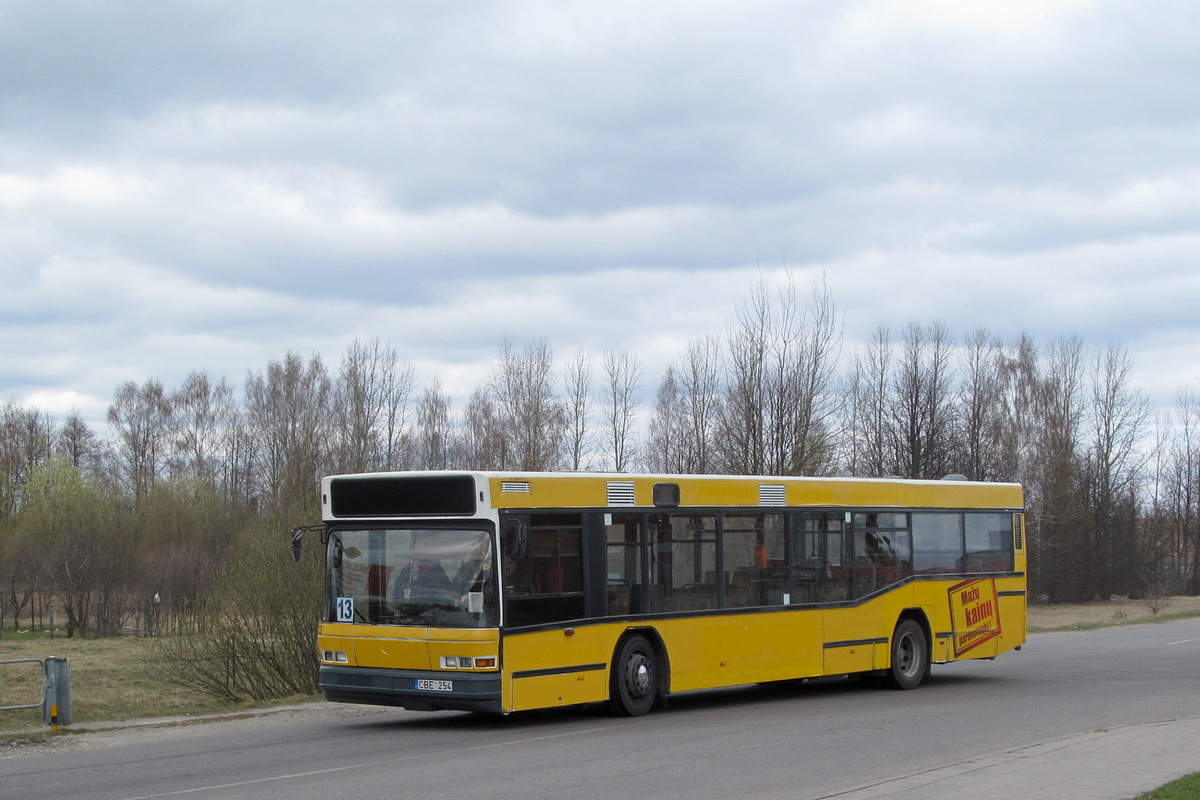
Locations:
(56, 707)
(56, 690)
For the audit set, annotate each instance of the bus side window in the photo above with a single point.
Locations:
(624, 569)
(989, 541)
(818, 572)
(937, 543)
(547, 585)
(683, 556)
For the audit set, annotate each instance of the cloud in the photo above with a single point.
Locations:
(209, 185)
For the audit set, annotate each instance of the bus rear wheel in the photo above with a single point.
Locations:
(634, 684)
(910, 656)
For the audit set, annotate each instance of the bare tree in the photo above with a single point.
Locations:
(981, 408)
(80, 445)
(1053, 508)
(534, 419)
(399, 380)
(26, 436)
(666, 450)
(1020, 375)
(920, 434)
(1185, 485)
(700, 382)
(287, 414)
(141, 417)
(201, 413)
(808, 354)
(743, 423)
(1112, 471)
(622, 374)
(434, 437)
(781, 398)
(481, 443)
(370, 406)
(868, 416)
(577, 375)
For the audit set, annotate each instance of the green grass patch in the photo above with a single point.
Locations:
(1186, 788)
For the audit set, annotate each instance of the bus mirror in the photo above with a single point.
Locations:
(516, 538)
(298, 538)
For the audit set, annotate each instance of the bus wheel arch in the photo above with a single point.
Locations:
(640, 674)
(910, 651)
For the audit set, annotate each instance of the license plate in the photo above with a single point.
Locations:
(435, 686)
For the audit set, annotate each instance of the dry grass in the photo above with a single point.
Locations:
(112, 680)
(1102, 613)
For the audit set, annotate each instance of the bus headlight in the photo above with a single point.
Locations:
(468, 662)
(334, 657)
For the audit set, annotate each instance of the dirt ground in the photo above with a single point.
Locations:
(1116, 611)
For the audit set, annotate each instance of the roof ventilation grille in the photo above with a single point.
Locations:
(620, 493)
(772, 494)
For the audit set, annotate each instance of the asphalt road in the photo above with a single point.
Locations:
(780, 741)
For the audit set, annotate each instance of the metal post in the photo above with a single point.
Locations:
(56, 709)
(52, 620)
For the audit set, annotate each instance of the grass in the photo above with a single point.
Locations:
(112, 680)
(1106, 613)
(1186, 788)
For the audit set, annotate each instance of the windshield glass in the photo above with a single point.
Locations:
(425, 576)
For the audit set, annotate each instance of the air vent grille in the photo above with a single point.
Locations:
(1019, 531)
(772, 494)
(620, 493)
(515, 487)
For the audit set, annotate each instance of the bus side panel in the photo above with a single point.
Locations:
(729, 650)
(558, 667)
(853, 634)
(1012, 613)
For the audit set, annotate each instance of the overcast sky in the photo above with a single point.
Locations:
(209, 185)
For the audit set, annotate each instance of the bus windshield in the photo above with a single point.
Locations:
(431, 577)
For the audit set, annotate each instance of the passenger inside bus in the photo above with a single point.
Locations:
(422, 580)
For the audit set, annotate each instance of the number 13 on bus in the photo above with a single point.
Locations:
(501, 592)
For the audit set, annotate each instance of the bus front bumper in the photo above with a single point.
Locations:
(416, 690)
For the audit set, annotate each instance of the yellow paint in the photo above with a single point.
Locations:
(563, 490)
(391, 647)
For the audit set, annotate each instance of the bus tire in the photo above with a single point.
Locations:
(633, 687)
(910, 656)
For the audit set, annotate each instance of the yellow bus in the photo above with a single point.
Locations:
(502, 592)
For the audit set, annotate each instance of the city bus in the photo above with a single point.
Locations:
(502, 592)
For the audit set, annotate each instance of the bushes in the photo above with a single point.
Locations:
(256, 636)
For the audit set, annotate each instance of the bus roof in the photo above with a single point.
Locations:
(515, 490)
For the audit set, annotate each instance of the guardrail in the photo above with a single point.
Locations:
(56, 690)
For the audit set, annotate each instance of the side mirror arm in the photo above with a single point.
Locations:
(298, 538)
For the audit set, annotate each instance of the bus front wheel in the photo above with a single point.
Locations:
(910, 656)
(634, 683)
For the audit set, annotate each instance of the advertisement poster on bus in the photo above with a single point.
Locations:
(974, 614)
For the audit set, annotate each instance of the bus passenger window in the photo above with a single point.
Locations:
(989, 541)
(818, 572)
(684, 562)
(547, 585)
(937, 543)
(624, 568)
(755, 561)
